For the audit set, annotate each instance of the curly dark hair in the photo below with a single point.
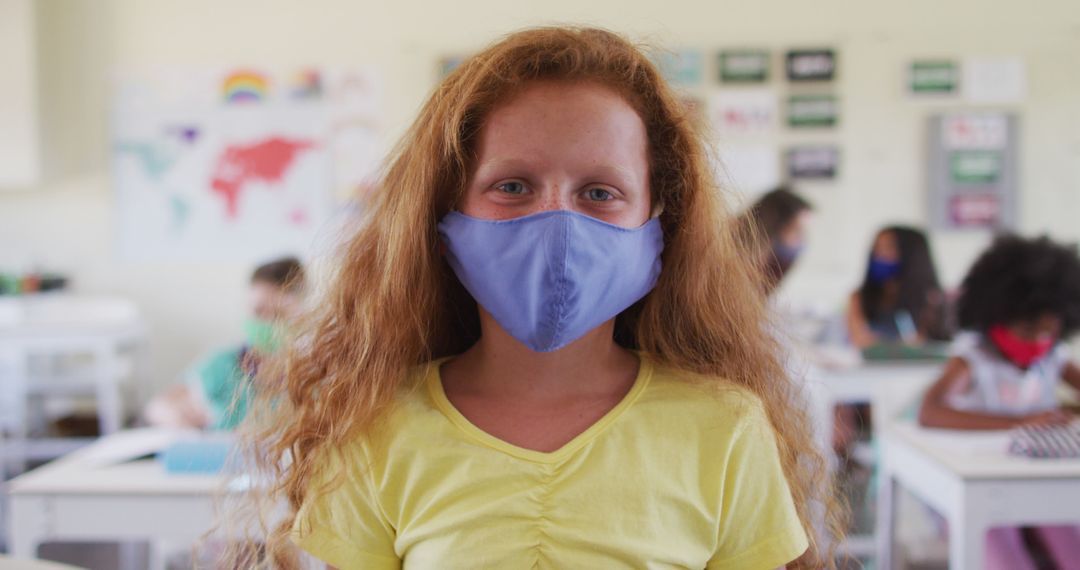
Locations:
(1018, 280)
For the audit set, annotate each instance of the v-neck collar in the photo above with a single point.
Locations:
(438, 395)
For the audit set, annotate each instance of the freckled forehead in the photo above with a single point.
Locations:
(574, 118)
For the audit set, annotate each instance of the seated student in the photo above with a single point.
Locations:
(1019, 303)
(774, 230)
(775, 227)
(216, 396)
(900, 299)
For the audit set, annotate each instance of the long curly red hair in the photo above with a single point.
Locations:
(394, 303)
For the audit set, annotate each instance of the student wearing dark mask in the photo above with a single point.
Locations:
(775, 227)
(900, 299)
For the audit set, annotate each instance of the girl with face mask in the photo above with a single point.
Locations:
(545, 348)
(1020, 302)
(900, 299)
(775, 226)
(218, 392)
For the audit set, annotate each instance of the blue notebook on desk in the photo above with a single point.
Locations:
(201, 456)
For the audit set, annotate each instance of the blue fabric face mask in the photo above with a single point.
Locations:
(549, 278)
(786, 254)
(880, 270)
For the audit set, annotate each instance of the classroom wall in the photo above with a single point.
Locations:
(18, 94)
(65, 222)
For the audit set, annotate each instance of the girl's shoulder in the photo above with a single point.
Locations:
(696, 395)
(412, 410)
(417, 398)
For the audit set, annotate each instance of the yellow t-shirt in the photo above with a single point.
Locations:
(675, 476)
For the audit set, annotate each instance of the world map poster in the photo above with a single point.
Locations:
(240, 164)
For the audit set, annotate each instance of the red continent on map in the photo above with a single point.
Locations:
(264, 161)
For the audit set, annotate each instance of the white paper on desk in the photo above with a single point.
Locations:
(994, 80)
(970, 443)
(129, 444)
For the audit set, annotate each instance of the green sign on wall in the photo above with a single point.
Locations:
(744, 66)
(934, 77)
(975, 166)
(812, 111)
(681, 68)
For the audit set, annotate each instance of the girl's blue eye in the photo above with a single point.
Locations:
(599, 195)
(512, 187)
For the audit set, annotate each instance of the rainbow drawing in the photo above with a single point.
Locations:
(245, 86)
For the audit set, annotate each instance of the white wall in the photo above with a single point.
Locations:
(66, 223)
(18, 95)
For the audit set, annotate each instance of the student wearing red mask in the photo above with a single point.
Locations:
(1019, 303)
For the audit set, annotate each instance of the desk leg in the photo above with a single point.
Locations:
(157, 556)
(129, 555)
(18, 386)
(967, 535)
(161, 550)
(886, 518)
(110, 406)
(28, 526)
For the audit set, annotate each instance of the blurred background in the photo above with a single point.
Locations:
(154, 153)
(60, 211)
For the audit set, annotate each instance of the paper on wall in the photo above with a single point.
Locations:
(994, 80)
(743, 112)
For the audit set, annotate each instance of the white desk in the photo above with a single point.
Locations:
(109, 330)
(93, 494)
(970, 479)
(888, 386)
(24, 564)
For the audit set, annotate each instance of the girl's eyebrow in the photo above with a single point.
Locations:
(615, 171)
(508, 163)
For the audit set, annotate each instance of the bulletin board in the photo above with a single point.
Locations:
(972, 170)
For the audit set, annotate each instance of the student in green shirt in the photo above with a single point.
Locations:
(216, 395)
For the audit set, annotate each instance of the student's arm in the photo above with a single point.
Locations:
(858, 329)
(933, 322)
(177, 407)
(956, 378)
(1071, 375)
